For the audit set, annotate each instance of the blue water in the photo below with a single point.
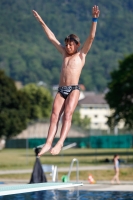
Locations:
(71, 195)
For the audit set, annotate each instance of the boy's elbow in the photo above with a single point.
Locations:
(51, 36)
(52, 39)
(92, 37)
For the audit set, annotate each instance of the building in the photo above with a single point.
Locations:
(96, 108)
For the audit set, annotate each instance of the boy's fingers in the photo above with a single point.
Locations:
(35, 14)
(33, 11)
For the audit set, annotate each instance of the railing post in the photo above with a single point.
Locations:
(70, 169)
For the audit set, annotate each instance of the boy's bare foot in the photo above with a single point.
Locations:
(112, 182)
(47, 147)
(57, 148)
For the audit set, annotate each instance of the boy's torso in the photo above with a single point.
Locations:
(71, 69)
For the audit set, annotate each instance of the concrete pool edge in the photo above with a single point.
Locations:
(98, 186)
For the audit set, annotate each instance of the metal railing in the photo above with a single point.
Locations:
(53, 170)
(77, 169)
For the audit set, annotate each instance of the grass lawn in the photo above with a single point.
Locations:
(24, 159)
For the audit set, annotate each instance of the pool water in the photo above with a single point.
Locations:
(71, 195)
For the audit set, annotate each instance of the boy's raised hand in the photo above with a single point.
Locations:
(95, 11)
(37, 16)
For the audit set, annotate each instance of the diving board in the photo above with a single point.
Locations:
(17, 189)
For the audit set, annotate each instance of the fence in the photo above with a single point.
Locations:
(110, 141)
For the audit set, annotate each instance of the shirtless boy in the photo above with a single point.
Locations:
(68, 92)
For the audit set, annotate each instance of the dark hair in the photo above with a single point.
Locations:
(116, 155)
(72, 37)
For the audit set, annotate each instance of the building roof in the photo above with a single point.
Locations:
(93, 98)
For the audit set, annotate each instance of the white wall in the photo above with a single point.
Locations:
(98, 115)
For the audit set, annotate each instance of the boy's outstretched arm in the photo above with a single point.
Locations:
(49, 33)
(87, 45)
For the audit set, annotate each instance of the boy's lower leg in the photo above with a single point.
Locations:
(57, 109)
(51, 134)
(64, 131)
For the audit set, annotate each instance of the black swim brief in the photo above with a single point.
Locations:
(66, 90)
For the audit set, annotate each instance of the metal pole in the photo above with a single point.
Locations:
(70, 169)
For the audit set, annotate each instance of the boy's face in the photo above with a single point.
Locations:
(71, 47)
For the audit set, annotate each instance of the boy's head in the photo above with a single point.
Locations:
(72, 37)
(116, 156)
(72, 43)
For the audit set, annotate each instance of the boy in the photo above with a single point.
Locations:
(68, 92)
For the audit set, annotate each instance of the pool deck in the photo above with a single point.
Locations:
(99, 186)
(108, 187)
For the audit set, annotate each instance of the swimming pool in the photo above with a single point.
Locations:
(71, 195)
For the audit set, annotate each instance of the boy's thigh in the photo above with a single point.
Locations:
(72, 101)
(58, 104)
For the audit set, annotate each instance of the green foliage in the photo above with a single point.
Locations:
(120, 95)
(27, 55)
(40, 101)
(14, 107)
(81, 122)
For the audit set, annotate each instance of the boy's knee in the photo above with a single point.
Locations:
(67, 115)
(54, 117)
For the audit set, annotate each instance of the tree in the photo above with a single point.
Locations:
(27, 55)
(120, 95)
(40, 101)
(14, 107)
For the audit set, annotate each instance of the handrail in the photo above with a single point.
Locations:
(70, 169)
(55, 174)
(53, 171)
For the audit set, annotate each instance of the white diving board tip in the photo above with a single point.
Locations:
(17, 189)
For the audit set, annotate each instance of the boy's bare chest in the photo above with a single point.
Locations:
(72, 62)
